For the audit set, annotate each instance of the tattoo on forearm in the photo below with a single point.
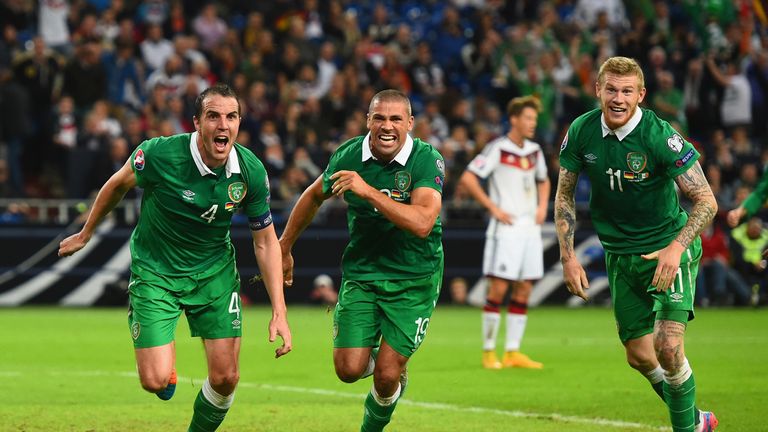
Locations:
(668, 344)
(694, 184)
(565, 212)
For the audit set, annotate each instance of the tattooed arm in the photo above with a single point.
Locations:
(694, 185)
(565, 224)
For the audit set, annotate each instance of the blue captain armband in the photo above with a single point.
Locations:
(260, 222)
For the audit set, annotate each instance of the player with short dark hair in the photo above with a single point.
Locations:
(393, 265)
(633, 160)
(182, 257)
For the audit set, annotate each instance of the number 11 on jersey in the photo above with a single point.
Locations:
(615, 173)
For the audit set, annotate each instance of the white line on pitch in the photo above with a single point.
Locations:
(426, 405)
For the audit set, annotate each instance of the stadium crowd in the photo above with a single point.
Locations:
(83, 82)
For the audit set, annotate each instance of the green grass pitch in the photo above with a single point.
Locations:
(73, 370)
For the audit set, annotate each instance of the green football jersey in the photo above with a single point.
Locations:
(377, 249)
(756, 199)
(633, 202)
(186, 208)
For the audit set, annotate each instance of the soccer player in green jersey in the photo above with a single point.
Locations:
(182, 257)
(393, 265)
(633, 160)
(751, 205)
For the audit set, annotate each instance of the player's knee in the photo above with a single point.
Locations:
(154, 383)
(387, 376)
(348, 374)
(224, 382)
(640, 363)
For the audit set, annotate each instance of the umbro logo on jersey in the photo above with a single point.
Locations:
(188, 195)
(591, 158)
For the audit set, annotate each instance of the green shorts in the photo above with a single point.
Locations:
(636, 303)
(210, 300)
(397, 311)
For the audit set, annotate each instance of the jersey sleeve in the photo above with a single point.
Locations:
(485, 162)
(431, 171)
(329, 170)
(145, 162)
(676, 154)
(569, 157)
(257, 197)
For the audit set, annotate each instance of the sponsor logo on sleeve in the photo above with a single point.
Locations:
(138, 160)
(675, 143)
(683, 160)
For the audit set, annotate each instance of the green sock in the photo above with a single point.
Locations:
(376, 416)
(206, 417)
(659, 389)
(680, 401)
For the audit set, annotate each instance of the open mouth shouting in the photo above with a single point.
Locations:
(220, 142)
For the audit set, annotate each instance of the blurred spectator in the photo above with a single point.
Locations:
(155, 49)
(380, 30)
(170, 77)
(85, 78)
(324, 290)
(52, 22)
(717, 282)
(586, 13)
(750, 240)
(403, 45)
(14, 127)
(428, 77)
(125, 76)
(152, 11)
(668, 101)
(736, 104)
(177, 22)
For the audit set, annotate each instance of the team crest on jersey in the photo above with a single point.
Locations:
(138, 160)
(675, 143)
(236, 191)
(135, 330)
(402, 180)
(636, 161)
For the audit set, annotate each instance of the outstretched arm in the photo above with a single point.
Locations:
(300, 218)
(108, 197)
(565, 224)
(418, 217)
(694, 185)
(267, 251)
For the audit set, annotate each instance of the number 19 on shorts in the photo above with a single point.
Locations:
(421, 330)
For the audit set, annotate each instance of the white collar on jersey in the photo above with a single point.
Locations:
(401, 157)
(625, 130)
(233, 163)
